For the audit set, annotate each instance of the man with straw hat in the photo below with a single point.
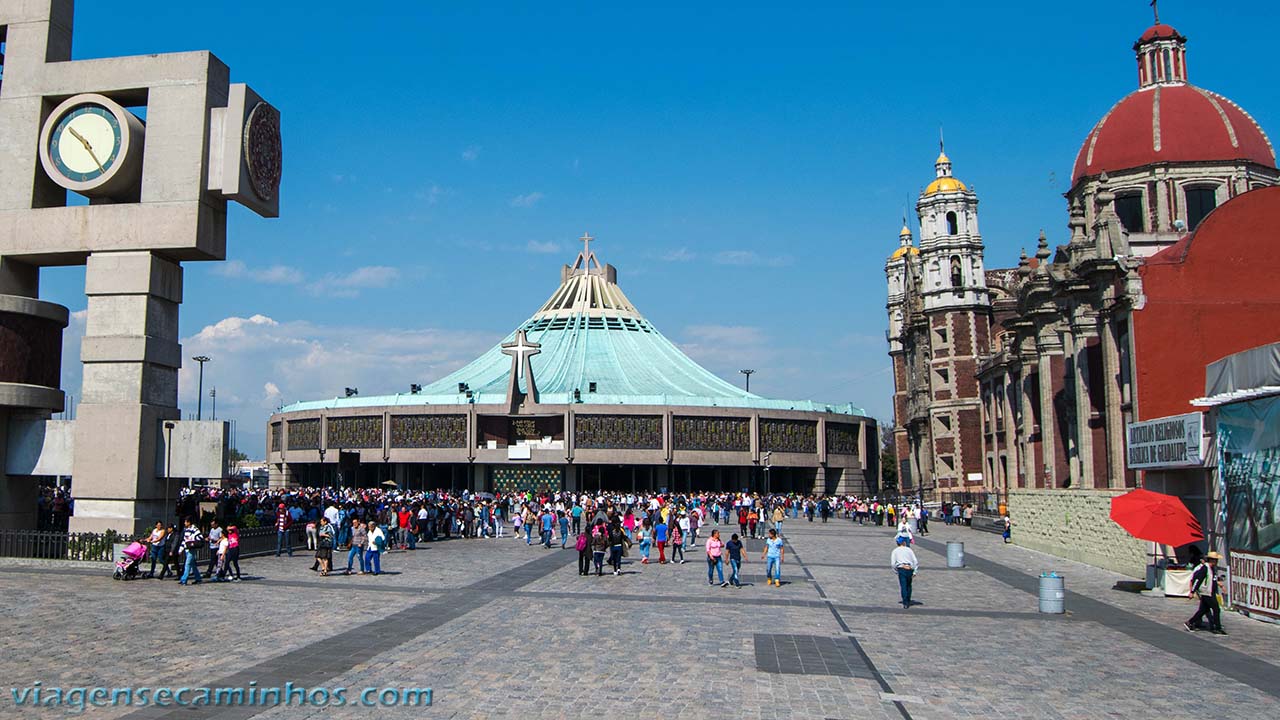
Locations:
(1204, 583)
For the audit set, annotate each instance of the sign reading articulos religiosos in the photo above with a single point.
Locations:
(1168, 442)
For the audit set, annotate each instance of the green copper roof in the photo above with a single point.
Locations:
(587, 332)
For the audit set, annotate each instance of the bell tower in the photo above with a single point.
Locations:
(950, 244)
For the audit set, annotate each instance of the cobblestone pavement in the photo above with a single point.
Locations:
(500, 629)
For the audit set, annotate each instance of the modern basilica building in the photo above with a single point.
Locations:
(584, 395)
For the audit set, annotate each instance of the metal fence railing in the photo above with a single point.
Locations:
(46, 545)
(103, 547)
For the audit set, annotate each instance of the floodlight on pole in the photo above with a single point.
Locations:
(202, 359)
(748, 373)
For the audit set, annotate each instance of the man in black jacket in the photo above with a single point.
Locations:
(1204, 583)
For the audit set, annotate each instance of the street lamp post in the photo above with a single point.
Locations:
(748, 373)
(202, 359)
(768, 487)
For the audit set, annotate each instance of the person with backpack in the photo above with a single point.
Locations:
(646, 541)
(599, 544)
(564, 528)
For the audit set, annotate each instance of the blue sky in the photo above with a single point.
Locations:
(745, 166)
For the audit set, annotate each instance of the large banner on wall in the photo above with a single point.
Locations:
(1249, 437)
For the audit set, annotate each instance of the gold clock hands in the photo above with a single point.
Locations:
(88, 148)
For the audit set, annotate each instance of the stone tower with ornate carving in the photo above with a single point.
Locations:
(939, 322)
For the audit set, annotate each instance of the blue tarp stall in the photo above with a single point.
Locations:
(1244, 392)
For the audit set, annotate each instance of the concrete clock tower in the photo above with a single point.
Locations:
(156, 192)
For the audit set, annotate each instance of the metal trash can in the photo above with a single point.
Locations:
(955, 554)
(1052, 593)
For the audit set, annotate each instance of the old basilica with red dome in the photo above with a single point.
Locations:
(1017, 383)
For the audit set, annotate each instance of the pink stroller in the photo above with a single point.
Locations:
(130, 561)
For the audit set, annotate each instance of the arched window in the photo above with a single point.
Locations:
(952, 229)
(1200, 202)
(957, 275)
(1129, 208)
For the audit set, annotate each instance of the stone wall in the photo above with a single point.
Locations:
(1076, 524)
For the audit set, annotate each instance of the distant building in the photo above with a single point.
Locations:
(584, 395)
(1111, 327)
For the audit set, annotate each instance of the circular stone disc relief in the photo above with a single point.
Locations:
(263, 151)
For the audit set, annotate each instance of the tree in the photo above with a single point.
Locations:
(237, 456)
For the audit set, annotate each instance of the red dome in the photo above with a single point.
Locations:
(1159, 32)
(1171, 123)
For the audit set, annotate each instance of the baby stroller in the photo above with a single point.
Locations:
(129, 562)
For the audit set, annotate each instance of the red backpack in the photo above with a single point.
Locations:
(582, 542)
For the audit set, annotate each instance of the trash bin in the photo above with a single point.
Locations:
(955, 554)
(1052, 593)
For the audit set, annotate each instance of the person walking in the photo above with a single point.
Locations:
(220, 567)
(156, 545)
(617, 538)
(284, 521)
(1204, 584)
(599, 545)
(564, 529)
(778, 516)
(376, 543)
(359, 539)
(646, 541)
(1008, 529)
(715, 561)
(660, 539)
(583, 546)
(324, 545)
(903, 560)
(773, 552)
(548, 522)
(233, 552)
(191, 540)
(734, 548)
(174, 551)
(677, 543)
(753, 519)
(215, 537)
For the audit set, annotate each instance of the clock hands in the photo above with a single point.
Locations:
(88, 148)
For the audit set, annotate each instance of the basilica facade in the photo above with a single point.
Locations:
(1024, 377)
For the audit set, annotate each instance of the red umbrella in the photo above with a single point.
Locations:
(1156, 517)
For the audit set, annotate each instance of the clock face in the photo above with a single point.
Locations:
(85, 143)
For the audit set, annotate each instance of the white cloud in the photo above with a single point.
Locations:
(545, 248)
(299, 360)
(725, 349)
(350, 284)
(273, 274)
(678, 255)
(527, 200)
(471, 153)
(751, 258)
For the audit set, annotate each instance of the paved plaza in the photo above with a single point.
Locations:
(500, 629)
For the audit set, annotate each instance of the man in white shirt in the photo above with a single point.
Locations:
(904, 562)
(331, 512)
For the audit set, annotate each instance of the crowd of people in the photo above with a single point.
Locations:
(364, 524)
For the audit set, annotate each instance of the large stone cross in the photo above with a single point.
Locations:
(521, 350)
